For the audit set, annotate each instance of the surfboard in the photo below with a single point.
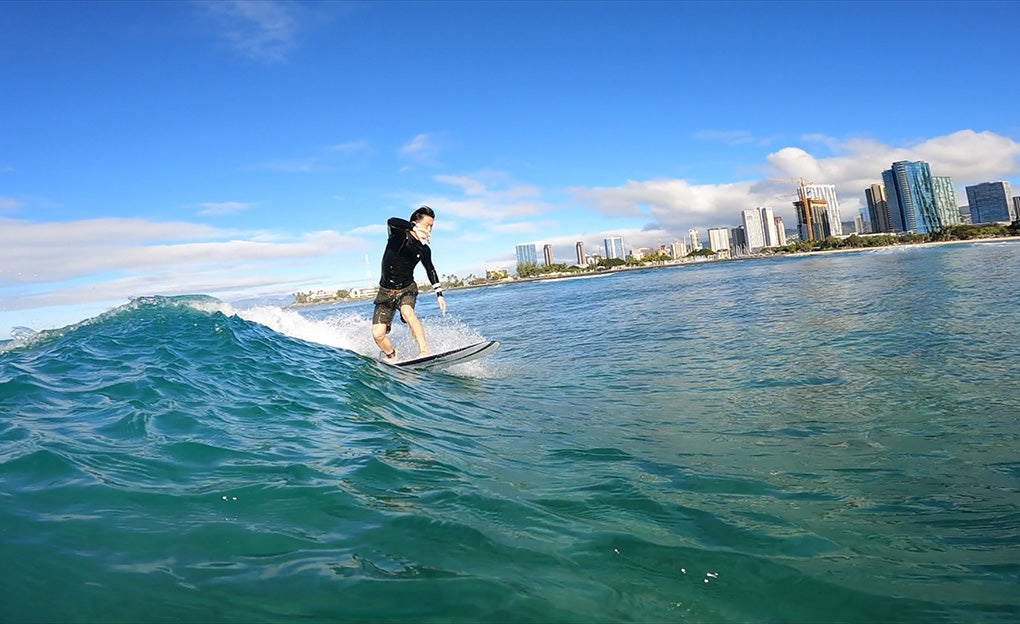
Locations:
(451, 357)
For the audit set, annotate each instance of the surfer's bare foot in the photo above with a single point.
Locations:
(390, 357)
(424, 352)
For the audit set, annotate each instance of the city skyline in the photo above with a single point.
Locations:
(929, 203)
(265, 154)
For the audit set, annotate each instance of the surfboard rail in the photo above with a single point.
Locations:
(443, 359)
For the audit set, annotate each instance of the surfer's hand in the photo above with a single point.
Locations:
(422, 234)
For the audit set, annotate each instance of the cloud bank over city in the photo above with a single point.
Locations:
(853, 164)
(123, 258)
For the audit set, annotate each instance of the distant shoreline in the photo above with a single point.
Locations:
(677, 264)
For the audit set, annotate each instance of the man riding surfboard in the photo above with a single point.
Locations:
(407, 245)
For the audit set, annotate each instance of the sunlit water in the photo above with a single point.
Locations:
(816, 439)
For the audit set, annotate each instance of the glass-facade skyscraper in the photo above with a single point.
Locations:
(945, 201)
(878, 208)
(911, 195)
(527, 253)
(989, 202)
(614, 247)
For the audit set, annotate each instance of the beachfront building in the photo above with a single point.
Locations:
(738, 238)
(581, 258)
(548, 253)
(614, 247)
(878, 208)
(754, 229)
(825, 192)
(1016, 208)
(640, 253)
(692, 234)
(945, 201)
(812, 219)
(768, 226)
(989, 202)
(780, 231)
(719, 241)
(527, 254)
(678, 250)
(911, 195)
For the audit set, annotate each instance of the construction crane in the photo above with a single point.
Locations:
(805, 200)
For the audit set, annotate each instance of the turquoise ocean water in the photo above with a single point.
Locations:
(816, 439)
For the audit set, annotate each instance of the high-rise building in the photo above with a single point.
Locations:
(945, 201)
(781, 231)
(739, 247)
(828, 193)
(878, 208)
(581, 258)
(527, 254)
(678, 249)
(719, 240)
(614, 247)
(768, 224)
(695, 239)
(911, 195)
(1016, 208)
(812, 219)
(989, 202)
(548, 253)
(754, 230)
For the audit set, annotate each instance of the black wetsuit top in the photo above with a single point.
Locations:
(403, 252)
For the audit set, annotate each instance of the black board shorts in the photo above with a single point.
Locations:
(388, 301)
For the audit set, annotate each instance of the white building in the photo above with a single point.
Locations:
(781, 230)
(678, 250)
(695, 239)
(768, 223)
(754, 229)
(719, 241)
(828, 193)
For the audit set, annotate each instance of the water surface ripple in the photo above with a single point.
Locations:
(814, 439)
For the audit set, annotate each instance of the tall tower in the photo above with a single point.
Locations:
(989, 202)
(719, 240)
(692, 234)
(527, 253)
(781, 231)
(911, 195)
(878, 207)
(548, 253)
(581, 258)
(828, 193)
(768, 226)
(614, 247)
(754, 230)
(945, 201)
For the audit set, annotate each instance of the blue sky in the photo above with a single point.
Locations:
(239, 149)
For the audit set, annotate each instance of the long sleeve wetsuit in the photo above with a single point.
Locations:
(402, 254)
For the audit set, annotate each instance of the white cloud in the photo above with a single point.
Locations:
(967, 156)
(261, 30)
(9, 204)
(734, 137)
(102, 259)
(349, 147)
(224, 208)
(422, 150)
(490, 196)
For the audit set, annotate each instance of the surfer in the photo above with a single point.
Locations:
(408, 244)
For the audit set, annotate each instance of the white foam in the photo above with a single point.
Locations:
(352, 331)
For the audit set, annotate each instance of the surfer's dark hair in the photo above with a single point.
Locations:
(424, 211)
